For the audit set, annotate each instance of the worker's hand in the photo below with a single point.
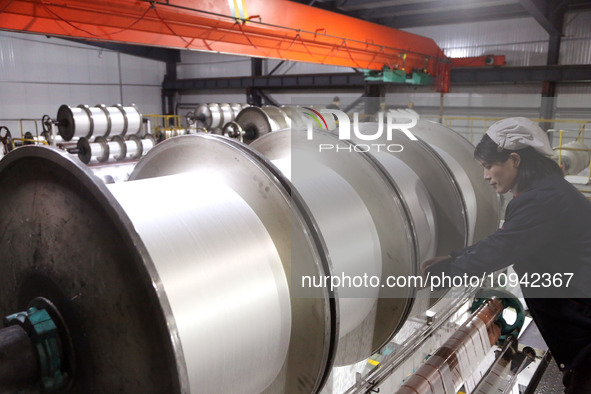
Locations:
(428, 263)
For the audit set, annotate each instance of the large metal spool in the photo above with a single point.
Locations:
(255, 122)
(439, 212)
(296, 117)
(467, 209)
(100, 150)
(573, 161)
(98, 121)
(160, 265)
(481, 202)
(299, 118)
(365, 229)
(75, 246)
(215, 116)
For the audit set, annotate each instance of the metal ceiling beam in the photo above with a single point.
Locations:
(451, 17)
(271, 82)
(556, 73)
(365, 4)
(332, 6)
(579, 5)
(430, 7)
(147, 52)
(539, 10)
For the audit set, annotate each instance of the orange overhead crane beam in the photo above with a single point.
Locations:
(263, 28)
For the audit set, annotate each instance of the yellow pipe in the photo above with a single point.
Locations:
(561, 132)
(30, 120)
(36, 141)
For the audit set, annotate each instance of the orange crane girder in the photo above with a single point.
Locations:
(262, 28)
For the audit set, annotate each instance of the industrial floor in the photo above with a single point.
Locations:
(551, 381)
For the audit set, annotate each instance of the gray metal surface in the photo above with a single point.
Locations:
(450, 214)
(295, 115)
(572, 161)
(227, 114)
(257, 122)
(410, 189)
(277, 115)
(64, 237)
(236, 108)
(331, 123)
(222, 259)
(365, 229)
(481, 201)
(208, 115)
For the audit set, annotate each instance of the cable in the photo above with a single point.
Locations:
(88, 32)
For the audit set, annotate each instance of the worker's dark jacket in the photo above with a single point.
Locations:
(547, 230)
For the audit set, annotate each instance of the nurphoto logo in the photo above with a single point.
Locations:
(400, 119)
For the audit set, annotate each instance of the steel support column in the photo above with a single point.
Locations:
(168, 95)
(374, 90)
(548, 104)
(253, 93)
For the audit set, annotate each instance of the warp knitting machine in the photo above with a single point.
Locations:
(212, 306)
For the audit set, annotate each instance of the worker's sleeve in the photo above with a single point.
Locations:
(530, 224)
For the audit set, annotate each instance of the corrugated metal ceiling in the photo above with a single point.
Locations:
(401, 14)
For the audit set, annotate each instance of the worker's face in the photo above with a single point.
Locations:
(502, 176)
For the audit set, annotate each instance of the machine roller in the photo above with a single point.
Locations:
(98, 121)
(482, 204)
(214, 116)
(255, 122)
(573, 157)
(350, 194)
(101, 150)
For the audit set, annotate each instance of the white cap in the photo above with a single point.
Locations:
(519, 133)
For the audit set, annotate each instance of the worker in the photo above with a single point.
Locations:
(546, 236)
(381, 112)
(336, 103)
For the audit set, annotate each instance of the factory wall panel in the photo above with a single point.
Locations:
(469, 100)
(24, 58)
(290, 67)
(147, 98)
(575, 47)
(578, 96)
(205, 97)
(493, 101)
(316, 97)
(195, 64)
(139, 71)
(522, 40)
(574, 102)
(38, 74)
